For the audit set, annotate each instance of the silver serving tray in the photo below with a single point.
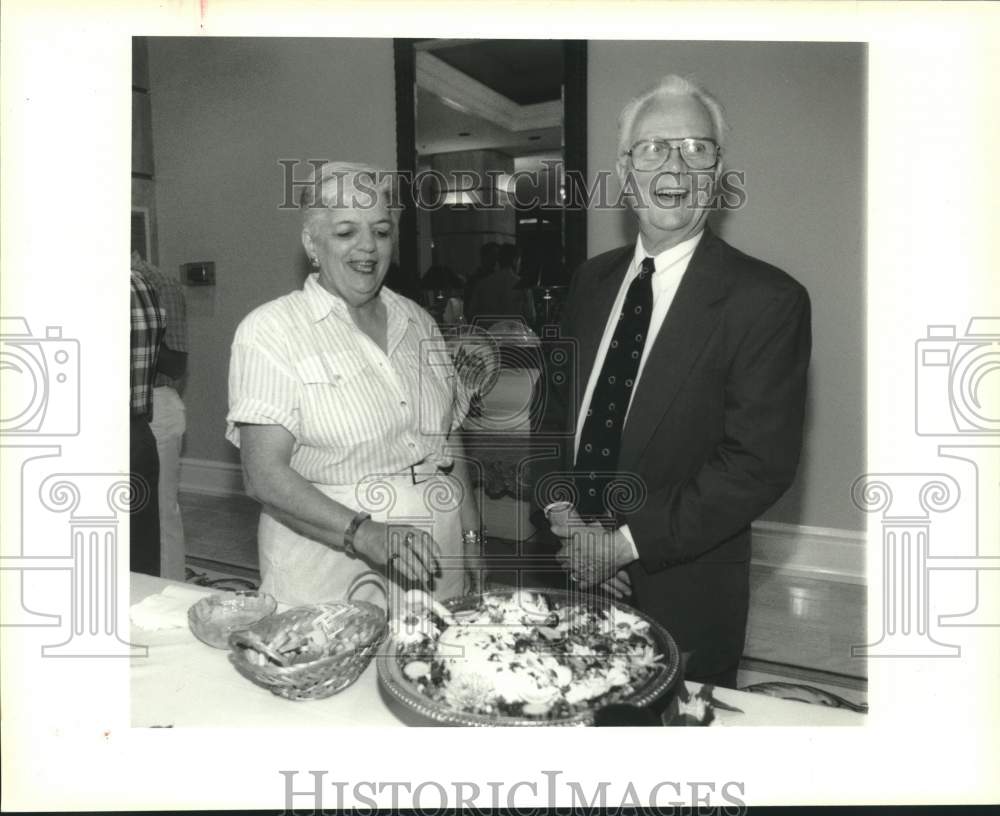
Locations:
(397, 686)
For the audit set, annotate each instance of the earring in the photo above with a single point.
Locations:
(314, 261)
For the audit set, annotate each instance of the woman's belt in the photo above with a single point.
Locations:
(422, 472)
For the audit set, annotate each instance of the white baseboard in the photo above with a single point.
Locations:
(810, 552)
(211, 477)
(791, 549)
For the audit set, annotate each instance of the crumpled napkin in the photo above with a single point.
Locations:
(166, 609)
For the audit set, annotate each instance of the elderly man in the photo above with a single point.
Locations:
(687, 421)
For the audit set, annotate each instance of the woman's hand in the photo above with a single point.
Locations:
(410, 552)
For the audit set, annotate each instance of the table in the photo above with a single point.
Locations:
(183, 682)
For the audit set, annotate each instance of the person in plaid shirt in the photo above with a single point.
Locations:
(168, 423)
(148, 321)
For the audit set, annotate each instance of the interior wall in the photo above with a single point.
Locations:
(225, 111)
(797, 128)
(143, 167)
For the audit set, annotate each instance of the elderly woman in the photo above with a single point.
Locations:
(342, 401)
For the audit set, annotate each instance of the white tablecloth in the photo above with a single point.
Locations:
(183, 682)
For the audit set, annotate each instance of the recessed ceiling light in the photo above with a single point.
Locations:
(451, 103)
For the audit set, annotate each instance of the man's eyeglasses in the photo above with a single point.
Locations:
(652, 154)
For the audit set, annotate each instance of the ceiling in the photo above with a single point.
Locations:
(440, 125)
(524, 73)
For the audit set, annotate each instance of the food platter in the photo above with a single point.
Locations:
(646, 680)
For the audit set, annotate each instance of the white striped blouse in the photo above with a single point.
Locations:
(354, 410)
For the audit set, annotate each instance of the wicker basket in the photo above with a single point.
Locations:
(311, 652)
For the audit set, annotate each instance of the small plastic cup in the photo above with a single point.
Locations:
(558, 513)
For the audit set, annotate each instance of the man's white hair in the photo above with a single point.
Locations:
(670, 85)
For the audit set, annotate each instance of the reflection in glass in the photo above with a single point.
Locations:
(489, 131)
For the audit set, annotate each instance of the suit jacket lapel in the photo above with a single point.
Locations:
(689, 323)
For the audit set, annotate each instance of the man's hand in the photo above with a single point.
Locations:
(592, 553)
(619, 585)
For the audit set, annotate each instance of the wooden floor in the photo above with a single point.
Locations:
(806, 622)
(800, 629)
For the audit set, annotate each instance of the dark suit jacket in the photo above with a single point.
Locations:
(713, 433)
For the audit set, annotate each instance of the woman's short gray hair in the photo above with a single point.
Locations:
(347, 184)
(670, 85)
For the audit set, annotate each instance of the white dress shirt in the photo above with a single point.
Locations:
(671, 264)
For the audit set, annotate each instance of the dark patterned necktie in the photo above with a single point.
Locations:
(601, 438)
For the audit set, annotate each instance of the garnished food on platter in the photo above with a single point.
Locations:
(525, 657)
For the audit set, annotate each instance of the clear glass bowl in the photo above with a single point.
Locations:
(214, 618)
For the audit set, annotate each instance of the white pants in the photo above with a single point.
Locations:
(298, 570)
(168, 427)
